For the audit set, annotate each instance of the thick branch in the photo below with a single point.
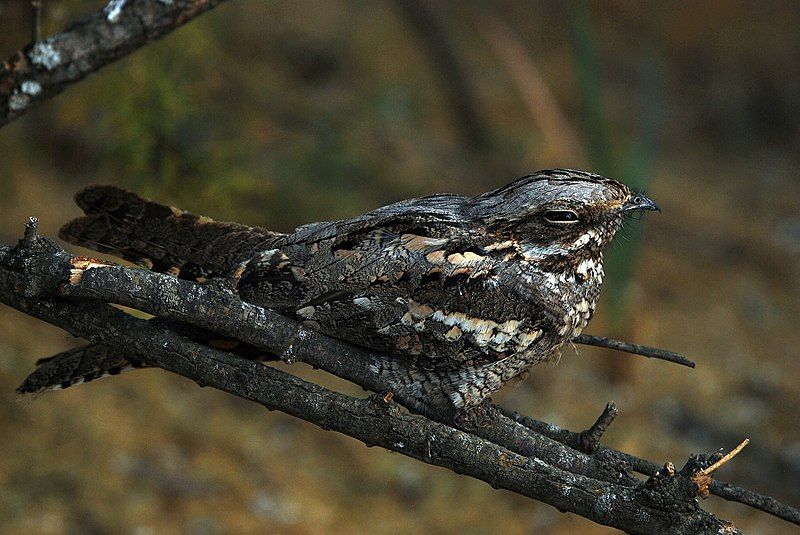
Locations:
(48, 66)
(643, 466)
(663, 504)
(217, 308)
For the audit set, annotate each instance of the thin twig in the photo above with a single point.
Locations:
(590, 439)
(36, 20)
(702, 478)
(635, 349)
(733, 453)
(31, 228)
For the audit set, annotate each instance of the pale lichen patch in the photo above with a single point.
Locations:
(44, 54)
(31, 87)
(18, 102)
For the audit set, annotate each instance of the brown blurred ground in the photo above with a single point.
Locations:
(282, 113)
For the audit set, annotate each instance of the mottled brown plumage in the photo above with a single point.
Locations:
(461, 294)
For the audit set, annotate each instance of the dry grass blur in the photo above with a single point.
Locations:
(282, 113)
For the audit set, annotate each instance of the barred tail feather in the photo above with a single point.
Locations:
(76, 366)
(160, 237)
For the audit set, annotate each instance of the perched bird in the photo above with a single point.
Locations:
(461, 294)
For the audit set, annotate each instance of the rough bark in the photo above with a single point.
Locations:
(45, 68)
(217, 308)
(35, 278)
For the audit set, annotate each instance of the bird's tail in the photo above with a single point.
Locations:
(160, 237)
(76, 366)
(93, 361)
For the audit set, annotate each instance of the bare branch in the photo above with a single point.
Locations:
(48, 66)
(726, 458)
(636, 349)
(643, 466)
(215, 307)
(29, 275)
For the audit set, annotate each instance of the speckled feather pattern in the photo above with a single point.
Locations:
(461, 294)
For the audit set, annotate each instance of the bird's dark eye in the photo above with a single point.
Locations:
(561, 216)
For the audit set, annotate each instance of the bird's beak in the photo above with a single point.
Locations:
(639, 202)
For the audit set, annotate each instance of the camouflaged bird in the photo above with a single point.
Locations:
(461, 294)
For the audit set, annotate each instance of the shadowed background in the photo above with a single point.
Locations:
(277, 114)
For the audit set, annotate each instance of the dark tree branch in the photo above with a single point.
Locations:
(217, 308)
(32, 273)
(377, 423)
(648, 468)
(48, 66)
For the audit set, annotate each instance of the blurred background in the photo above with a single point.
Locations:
(282, 113)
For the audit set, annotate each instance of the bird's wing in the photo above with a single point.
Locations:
(410, 280)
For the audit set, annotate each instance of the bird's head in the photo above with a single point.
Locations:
(560, 213)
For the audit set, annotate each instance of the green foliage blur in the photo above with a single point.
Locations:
(281, 113)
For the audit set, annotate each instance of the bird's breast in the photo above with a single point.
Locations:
(571, 295)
